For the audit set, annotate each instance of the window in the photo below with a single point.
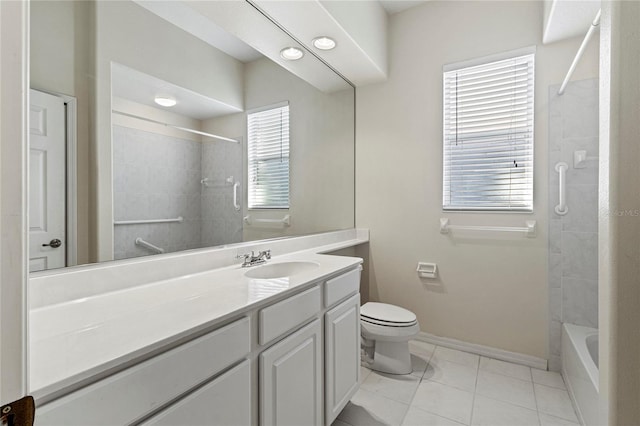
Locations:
(488, 136)
(268, 158)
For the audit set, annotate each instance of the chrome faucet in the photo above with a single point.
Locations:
(251, 259)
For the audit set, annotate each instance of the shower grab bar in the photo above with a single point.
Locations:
(151, 247)
(286, 220)
(178, 219)
(236, 204)
(529, 229)
(562, 208)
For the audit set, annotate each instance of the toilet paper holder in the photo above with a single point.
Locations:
(427, 270)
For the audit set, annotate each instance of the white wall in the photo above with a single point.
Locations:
(492, 288)
(321, 151)
(60, 62)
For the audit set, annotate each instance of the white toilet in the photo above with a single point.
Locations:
(386, 331)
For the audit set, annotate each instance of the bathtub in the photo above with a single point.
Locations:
(580, 370)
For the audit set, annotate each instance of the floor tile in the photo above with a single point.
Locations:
(397, 387)
(364, 373)
(421, 348)
(418, 417)
(338, 422)
(547, 420)
(445, 401)
(370, 409)
(450, 373)
(548, 378)
(555, 402)
(510, 369)
(507, 389)
(490, 412)
(419, 364)
(453, 355)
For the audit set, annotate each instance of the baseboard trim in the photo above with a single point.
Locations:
(501, 354)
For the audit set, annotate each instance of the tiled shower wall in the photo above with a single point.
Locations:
(155, 177)
(221, 222)
(573, 238)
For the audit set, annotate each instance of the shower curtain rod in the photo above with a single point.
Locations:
(185, 129)
(583, 46)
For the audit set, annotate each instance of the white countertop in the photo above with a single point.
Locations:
(73, 341)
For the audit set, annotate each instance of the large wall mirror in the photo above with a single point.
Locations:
(163, 126)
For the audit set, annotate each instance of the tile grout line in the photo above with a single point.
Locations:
(475, 389)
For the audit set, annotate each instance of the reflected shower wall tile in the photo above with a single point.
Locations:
(555, 333)
(555, 270)
(555, 118)
(582, 201)
(555, 304)
(580, 255)
(580, 302)
(580, 109)
(555, 236)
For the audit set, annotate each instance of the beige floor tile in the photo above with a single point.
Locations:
(397, 387)
(418, 417)
(370, 409)
(490, 412)
(548, 378)
(547, 420)
(444, 401)
(506, 389)
(510, 369)
(453, 355)
(450, 373)
(555, 402)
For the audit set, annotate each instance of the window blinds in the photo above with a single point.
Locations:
(488, 136)
(268, 158)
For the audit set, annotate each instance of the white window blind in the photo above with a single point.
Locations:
(268, 158)
(488, 136)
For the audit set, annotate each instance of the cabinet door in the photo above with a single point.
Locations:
(291, 379)
(342, 355)
(225, 400)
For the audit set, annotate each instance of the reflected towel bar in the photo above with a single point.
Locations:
(142, 243)
(530, 229)
(178, 219)
(286, 220)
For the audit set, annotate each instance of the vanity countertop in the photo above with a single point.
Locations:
(72, 342)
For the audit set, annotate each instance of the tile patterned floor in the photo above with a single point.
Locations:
(453, 388)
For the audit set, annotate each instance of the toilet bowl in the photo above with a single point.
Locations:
(386, 331)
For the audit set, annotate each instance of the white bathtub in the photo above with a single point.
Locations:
(580, 370)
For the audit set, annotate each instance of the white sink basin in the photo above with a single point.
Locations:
(280, 270)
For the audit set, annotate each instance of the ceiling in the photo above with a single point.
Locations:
(142, 88)
(394, 6)
(568, 18)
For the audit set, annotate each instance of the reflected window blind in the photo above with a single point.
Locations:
(488, 136)
(268, 158)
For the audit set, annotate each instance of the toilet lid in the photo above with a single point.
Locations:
(383, 312)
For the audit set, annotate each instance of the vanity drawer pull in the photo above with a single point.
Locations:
(283, 316)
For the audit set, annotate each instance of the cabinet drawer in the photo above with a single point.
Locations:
(341, 286)
(223, 401)
(283, 316)
(133, 393)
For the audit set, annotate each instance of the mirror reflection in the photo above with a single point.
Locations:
(161, 126)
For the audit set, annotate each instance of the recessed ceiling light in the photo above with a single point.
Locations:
(324, 43)
(291, 53)
(165, 101)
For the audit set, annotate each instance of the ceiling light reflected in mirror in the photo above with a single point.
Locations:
(324, 43)
(291, 53)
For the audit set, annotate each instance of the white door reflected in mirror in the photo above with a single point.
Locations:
(47, 171)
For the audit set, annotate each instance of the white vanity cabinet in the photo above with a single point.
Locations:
(291, 379)
(342, 356)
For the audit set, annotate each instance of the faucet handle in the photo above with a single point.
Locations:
(244, 256)
(267, 254)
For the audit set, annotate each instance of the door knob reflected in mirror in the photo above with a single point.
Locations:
(55, 243)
